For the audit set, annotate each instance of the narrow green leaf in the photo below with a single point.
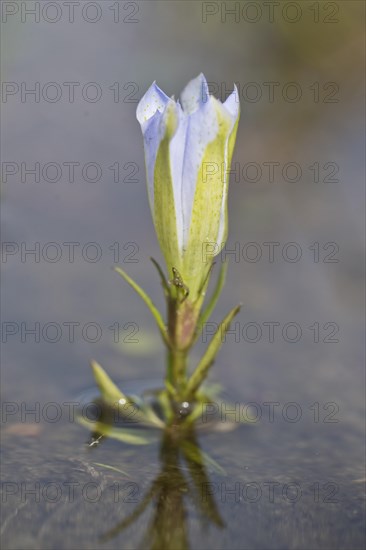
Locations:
(163, 280)
(209, 394)
(151, 417)
(133, 437)
(111, 394)
(158, 318)
(209, 356)
(214, 298)
(126, 435)
(194, 415)
(170, 388)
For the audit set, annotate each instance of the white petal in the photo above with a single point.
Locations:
(202, 128)
(232, 104)
(149, 113)
(154, 100)
(195, 94)
(151, 145)
(154, 130)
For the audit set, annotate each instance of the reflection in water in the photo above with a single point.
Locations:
(182, 477)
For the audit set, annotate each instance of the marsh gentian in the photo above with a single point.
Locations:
(188, 149)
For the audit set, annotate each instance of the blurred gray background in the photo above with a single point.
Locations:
(298, 178)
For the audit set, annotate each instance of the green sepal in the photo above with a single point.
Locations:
(230, 151)
(205, 315)
(164, 210)
(210, 193)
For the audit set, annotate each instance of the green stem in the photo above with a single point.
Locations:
(179, 370)
(176, 379)
(169, 380)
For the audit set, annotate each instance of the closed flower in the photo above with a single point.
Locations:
(188, 149)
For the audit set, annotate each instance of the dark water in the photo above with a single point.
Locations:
(294, 478)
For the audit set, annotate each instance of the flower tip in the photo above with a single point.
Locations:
(153, 100)
(232, 103)
(170, 119)
(195, 94)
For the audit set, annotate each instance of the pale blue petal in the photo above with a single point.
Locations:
(155, 129)
(152, 140)
(232, 104)
(191, 130)
(195, 94)
(150, 114)
(202, 128)
(154, 100)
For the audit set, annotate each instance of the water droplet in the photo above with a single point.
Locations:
(185, 408)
